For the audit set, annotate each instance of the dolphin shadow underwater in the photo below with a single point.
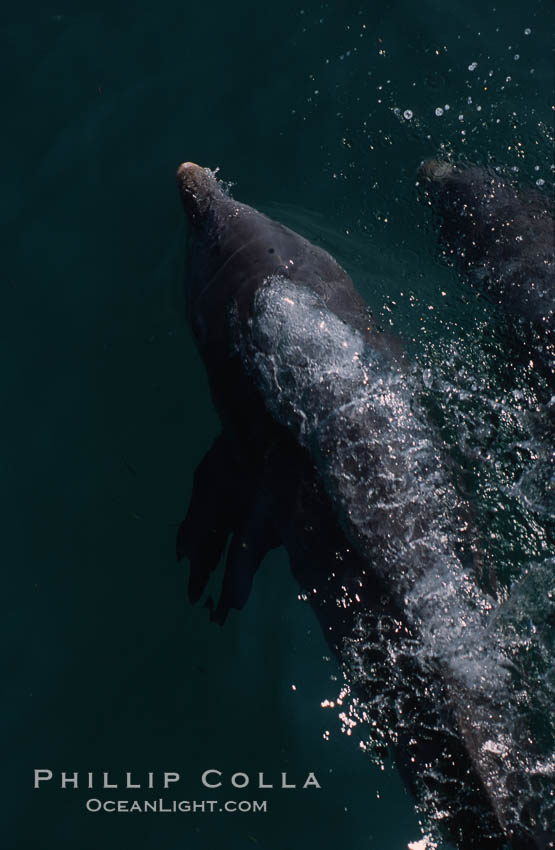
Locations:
(324, 450)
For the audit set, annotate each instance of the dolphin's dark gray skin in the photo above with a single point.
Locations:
(504, 236)
(325, 451)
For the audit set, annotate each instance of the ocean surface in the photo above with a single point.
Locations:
(319, 115)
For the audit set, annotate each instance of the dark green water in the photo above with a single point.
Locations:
(107, 411)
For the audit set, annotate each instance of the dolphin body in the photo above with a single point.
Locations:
(325, 451)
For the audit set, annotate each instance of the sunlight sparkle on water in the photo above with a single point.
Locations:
(423, 844)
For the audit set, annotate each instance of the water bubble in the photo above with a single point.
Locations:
(439, 111)
(527, 31)
(516, 57)
(408, 114)
(540, 181)
(473, 66)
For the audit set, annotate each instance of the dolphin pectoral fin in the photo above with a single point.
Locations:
(244, 559)
(217, 498)
(227, 500)
(203, 562)
(250, 544)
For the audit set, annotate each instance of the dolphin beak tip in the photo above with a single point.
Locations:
(186, 170)
(435, 169)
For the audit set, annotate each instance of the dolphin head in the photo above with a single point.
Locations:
(200, 191)
(209, 211)
(234, 249)
(458, 192)
(477, 210)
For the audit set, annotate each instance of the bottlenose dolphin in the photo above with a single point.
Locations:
(503, 238)
(324, 449)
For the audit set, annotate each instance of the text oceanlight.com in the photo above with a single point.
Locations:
(175, 806)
